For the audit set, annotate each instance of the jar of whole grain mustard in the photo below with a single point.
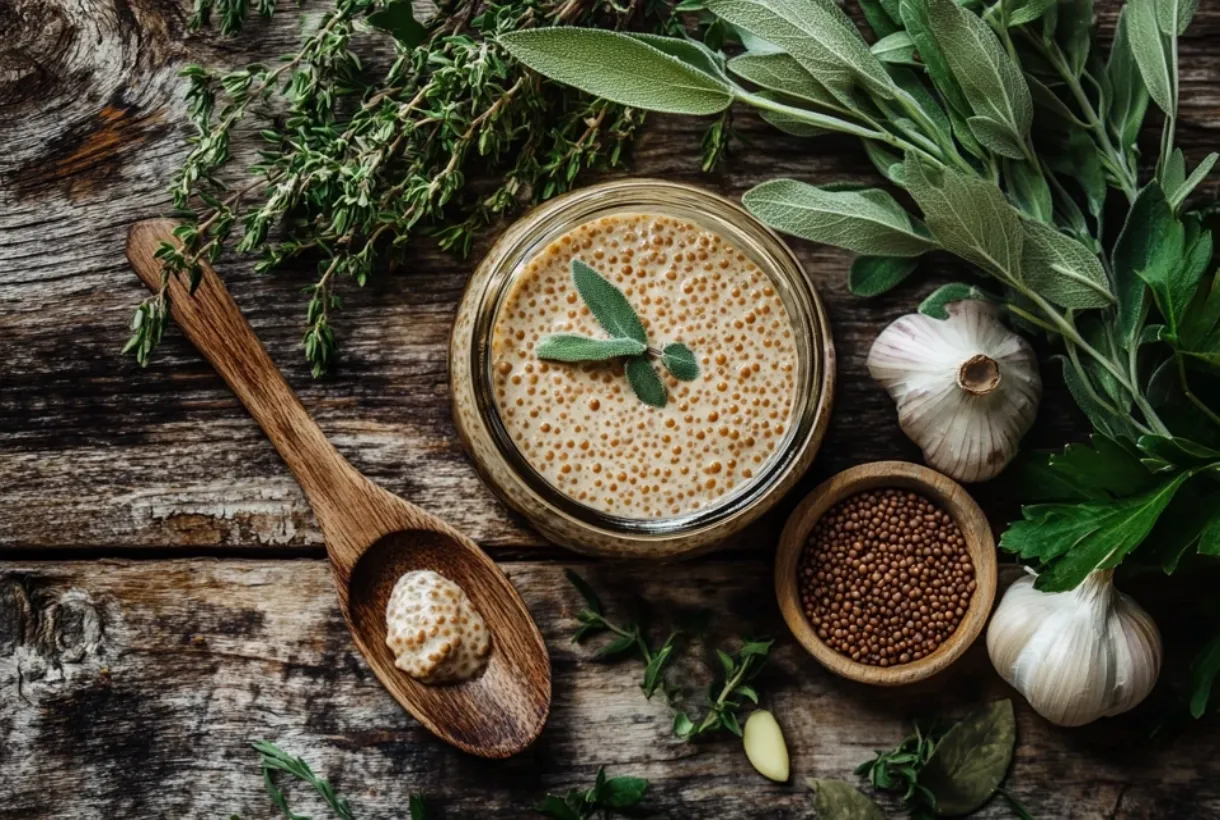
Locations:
(571, 445)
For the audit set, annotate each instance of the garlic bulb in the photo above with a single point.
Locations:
(1076, 656)
(967, 387)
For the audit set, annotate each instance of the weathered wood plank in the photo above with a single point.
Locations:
(129, 689)
(95, 451)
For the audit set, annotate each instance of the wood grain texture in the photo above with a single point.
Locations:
(95, 451)
(878, 475)
(372, 537)
(130, 690)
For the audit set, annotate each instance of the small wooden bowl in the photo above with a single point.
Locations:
(947, 494)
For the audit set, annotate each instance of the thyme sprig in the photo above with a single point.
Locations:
(608, 796)
(357, 161)
(728, 692)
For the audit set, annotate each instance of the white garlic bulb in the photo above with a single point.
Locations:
(967, 387)
(1076, 656)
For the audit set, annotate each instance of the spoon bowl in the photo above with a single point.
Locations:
(372, 536)
(492, 713)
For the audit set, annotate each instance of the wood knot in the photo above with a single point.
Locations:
(52, 631)
(81, 85)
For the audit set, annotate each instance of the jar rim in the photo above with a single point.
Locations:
(814, 383)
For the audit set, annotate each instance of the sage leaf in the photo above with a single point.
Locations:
(1203, 672)
(623, 792)
(1128, 94)
(1193, 181)
(783, 74)
(911, 88)
(1023, 12)
(993, 84)
(1029, 190)
(619, 68)
(878, 18)
(645, 382)
(1151, 52)
(971, 760)
(874, 275)
(886, 162)
(1173, 172)
(1174, 16)
(1062, 270)
(680, 361)
(607, 304)
(996, 137)
(969, 216)
(397, 19)
(867, 222)
(1074, 31)
(817, 33)
(1150, 238)
(896, 48)
(692, 52)
(838, 800)
(569, 347)
(918, 23)
(1073, 540)
(934, 305)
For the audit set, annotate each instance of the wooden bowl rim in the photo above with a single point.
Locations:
(947, 493)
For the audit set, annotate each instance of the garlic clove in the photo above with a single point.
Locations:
(765, 747)
(1077, 655)
(967, 387)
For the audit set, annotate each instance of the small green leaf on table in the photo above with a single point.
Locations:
(874, 275)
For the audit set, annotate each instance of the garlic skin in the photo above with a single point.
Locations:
(967, 387)
(1076, 656)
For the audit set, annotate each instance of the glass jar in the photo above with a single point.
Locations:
(557, 515)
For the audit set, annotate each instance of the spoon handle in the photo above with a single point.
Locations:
(214, 324)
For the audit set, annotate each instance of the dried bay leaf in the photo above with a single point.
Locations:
(971, 760)
(839, 800)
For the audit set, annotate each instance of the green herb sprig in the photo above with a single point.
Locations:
(608, 796)
(950, 772)
(273, 759)
(728, 692)
(629, 340)
(358, 160)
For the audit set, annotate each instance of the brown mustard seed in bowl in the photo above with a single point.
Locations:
(885, 577)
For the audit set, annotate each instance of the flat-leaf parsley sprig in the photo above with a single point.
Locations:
(629, 340)
(728, 692)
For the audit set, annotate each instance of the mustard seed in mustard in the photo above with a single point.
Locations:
(581, 426)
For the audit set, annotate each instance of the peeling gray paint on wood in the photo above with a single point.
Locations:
(133, 688)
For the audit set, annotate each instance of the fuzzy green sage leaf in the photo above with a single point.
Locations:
(570, 347)
(607, 304)
(680, 361)
(868, 222)
(619, 68)
(645, 382)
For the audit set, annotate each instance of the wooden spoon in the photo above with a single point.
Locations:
(372, 536)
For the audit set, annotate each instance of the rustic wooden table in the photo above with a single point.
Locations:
(163, 594)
